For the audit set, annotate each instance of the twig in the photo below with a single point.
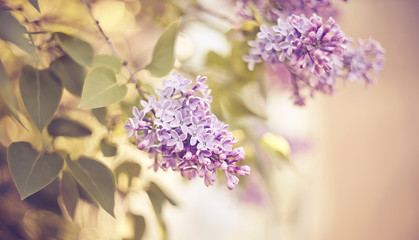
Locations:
(109, 42)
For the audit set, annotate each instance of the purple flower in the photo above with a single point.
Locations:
(185, 133)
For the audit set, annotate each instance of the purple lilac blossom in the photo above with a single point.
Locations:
(274, 9)
(180, 132)
(311, 49)
(363, 61)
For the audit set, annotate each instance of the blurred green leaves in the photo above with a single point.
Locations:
(41, 94)
(12, 31)
(101, 89)
(67, 128)
(79, 50)
(70, 73)
(96, 179)
(163, 56)
(32, 171)
(108, 148)
(7, 94)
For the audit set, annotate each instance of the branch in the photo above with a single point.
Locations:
(109, 42)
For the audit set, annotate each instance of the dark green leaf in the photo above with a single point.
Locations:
(100, 114)
(30, 170)
(35, 4)
(69, 192)
(96, 179)
(41, 94)
(139, 226)
(79, 50)
(107, 61)
(67, 128)
(108, 148)
(70, 73)
(158, 197)
(12, 31)
(100, 89)
(163, 56)
(131, 169)
(7, 94)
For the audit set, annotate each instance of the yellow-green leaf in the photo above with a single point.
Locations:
(276, 143)
(79, 50)
(163, 56)
(107, 61)
(32, 171)
(100, 89)
(96, 179)
(70, 73)
(67, 128)
(41, 93)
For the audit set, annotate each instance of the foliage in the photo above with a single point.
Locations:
(64, 82)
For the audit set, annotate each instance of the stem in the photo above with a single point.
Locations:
(109, 42)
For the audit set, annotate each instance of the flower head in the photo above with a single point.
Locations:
(180, 132)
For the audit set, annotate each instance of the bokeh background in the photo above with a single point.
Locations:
(354, 172)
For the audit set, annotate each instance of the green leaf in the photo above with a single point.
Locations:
(12, 31)
(96, 179)
(139, 226)
(163, 56)
(131, 169)
(107, 61)
(30, 170)
(67, 128)
(108, 148)
(41, 94)
(215, 59)
(100, 114)
(79, 50)
(100, 89)
(35, 4)
(158, 197)
(69, 193)
(7, 94)
(70, 73)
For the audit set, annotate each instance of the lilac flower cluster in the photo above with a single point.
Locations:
(180, 132)
(274, 9)
(363, 61)
(312, 51)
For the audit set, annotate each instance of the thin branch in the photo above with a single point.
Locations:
(109, 42)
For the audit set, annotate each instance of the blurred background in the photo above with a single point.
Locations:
(354, 168)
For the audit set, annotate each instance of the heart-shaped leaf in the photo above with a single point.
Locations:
(96, 179)
(70, 73)
(107, 61)
(69, 192)
(41, 93)
(67, 128)
(35, 4)
(12, 31)
(100, 89)
(163, 56)
(30, 170)
(79, 50)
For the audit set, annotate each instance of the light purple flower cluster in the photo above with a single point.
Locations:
(363, 61)
(274, 9)
(180, 132)
(312, 51)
